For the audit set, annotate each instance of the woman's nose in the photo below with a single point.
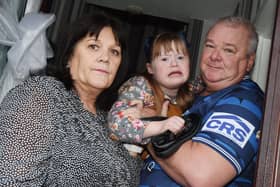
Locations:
(104, 57)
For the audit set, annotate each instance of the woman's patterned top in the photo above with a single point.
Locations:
(47, 138)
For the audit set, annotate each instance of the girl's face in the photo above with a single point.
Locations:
(95, 62)
(170, 69)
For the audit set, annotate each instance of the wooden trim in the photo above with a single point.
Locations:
(268, 164)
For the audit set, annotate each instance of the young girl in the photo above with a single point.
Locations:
(165, 79)
(144, 95)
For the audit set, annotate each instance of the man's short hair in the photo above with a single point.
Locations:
(235, 21)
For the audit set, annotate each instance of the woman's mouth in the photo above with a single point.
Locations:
(101, 71)
(175, 73)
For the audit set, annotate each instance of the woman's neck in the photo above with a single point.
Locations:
(88, 98)
(90, 107)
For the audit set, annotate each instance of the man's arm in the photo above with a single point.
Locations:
(227, 143)
(196, 164)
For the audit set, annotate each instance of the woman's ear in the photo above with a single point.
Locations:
(149, 68)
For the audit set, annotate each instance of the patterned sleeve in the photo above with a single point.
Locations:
(129, 129)
(232, 128)
(25, 136)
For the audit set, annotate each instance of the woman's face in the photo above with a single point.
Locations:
(95, 62)
(170, 69)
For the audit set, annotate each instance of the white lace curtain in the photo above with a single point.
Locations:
(27, 43)
(12, 9)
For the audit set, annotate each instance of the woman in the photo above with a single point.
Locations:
(143, 96)
(53, 130)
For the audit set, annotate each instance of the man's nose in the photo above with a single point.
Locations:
(216, 55)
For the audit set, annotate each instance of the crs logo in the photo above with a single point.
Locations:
(231, 126)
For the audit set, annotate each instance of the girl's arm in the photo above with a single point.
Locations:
(135, 101)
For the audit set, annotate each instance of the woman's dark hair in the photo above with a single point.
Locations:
(88, 25)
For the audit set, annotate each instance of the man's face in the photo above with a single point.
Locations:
(225, 58)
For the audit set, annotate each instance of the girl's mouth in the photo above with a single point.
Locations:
(175, 73)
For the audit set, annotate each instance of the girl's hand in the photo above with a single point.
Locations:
(174, 124)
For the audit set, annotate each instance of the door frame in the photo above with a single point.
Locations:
(267, 173)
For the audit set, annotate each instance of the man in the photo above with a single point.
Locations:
(224, 151)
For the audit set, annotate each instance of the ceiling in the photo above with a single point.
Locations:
(183, 10)
(180, 10)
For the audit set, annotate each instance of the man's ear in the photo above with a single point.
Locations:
(251, 61)
(149, 68)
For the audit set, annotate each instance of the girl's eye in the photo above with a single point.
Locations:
(164, 59)
(180, 57)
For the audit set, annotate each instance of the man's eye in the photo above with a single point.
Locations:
(209, 45)
(227, 50)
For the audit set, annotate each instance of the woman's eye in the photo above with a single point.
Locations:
(94, 46)
(115, 52)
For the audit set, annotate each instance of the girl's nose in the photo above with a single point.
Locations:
(173, 60)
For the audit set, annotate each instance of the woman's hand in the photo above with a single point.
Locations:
(134, 110)
(137, 110)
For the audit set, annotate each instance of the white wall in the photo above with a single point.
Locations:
(264, 23)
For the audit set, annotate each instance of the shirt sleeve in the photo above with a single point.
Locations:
(129, 129)
(232, 129)
(26, 136)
